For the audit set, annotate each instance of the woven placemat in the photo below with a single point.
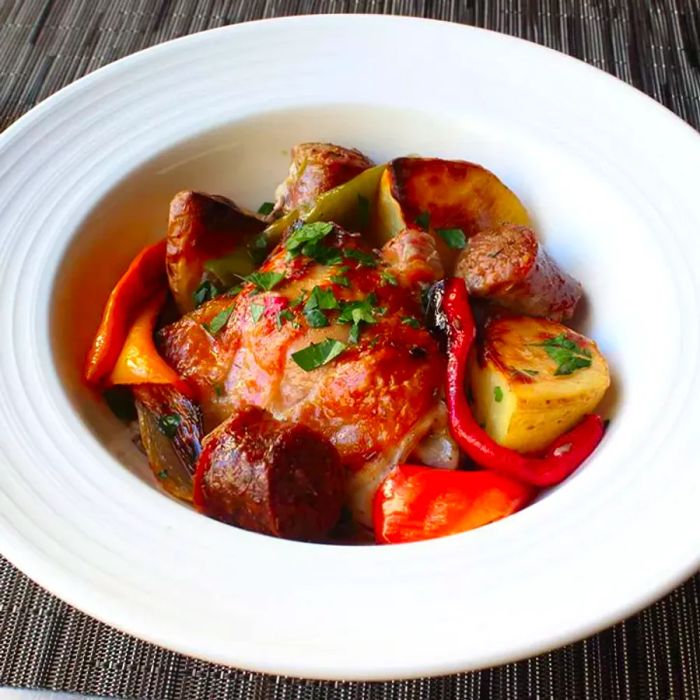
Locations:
(45, 44)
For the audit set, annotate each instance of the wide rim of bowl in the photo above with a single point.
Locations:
(52, 520)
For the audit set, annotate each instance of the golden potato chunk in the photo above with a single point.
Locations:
(444, 196)
(534, 379)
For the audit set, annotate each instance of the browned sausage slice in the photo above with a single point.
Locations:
(274, 477)
(315, 169)
(509, 266)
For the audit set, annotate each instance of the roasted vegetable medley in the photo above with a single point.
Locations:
(377, 354)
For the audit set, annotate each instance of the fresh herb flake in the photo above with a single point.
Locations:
(423, 220)
(219, 321)
(358, 311)
(365, 259)
(410, 321)
(340, 280)
(306, 236)
(567, 354)
(454, 237)
(168, 424)
(321, 298)
(388, 278)
(265, 281)
(219, 389)
(163, 474)
(206, 291)
(256, 311)
(497, 394)
(316, 318)
(282, 316)
(318, 354)
(266, 208)
(354, 335)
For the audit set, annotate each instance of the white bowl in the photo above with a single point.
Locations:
(611, 179)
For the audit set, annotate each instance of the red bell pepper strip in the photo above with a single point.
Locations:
(419, 503)
(562, 457)
(144, 278)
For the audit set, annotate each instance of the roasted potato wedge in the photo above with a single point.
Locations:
(203, 228)
(534, 379)
(443, 195)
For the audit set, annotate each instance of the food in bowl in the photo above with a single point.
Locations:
(378, 354)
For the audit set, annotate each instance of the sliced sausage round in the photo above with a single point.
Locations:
(274, 477)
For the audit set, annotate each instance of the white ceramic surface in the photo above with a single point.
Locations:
(611, 179)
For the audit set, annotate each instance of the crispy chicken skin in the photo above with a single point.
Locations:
(373, 403)
(315, 169)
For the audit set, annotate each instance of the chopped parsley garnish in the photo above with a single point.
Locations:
(410, 321)
(205, 292)
(388, 278)
(257, 248)
(256, 311)
(341, 280)
(363, 211)
(304, 240)
(318, 354)
(316, 318)
(358, 312)
(363, 258)
(354, 334)
(219, 321)
(423, 220)
(219, 389)
(265, 281)
(168, 424)
(282, 316)
(454, 237)
(266, 208)
(497, 394)
(567, 354)
(319, 299)
(163, 474)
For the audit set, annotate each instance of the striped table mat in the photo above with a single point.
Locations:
(44, 643)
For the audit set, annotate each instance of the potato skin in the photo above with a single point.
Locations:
(517, 397)
(315, 169)
(508, 265)
(274, 477)
(202, 227)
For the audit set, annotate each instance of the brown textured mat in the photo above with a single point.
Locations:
(45, 44)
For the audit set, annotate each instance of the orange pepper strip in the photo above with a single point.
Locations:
(139, 361)
(144, 278)
(418, 503)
